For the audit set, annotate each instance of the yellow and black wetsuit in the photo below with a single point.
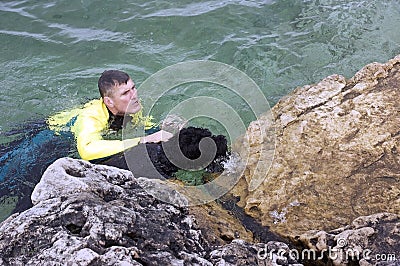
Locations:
(89, 125)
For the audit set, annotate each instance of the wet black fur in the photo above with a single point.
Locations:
(189, 139)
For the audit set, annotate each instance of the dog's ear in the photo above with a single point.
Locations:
(205, 132)
(221, 142)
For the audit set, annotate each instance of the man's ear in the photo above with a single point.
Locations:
(108, 102)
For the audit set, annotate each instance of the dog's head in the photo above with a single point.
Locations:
(189, 144)
(189, 140)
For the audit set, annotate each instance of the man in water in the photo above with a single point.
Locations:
(119, 97)
(23, 161)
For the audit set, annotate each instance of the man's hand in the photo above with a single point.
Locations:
(161, 135)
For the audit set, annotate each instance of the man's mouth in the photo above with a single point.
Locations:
(135, 103)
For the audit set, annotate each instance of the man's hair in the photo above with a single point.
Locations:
(109, 79)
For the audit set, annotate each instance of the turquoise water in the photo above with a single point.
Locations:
(52, 52)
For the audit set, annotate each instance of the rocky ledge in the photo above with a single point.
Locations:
(87, 214)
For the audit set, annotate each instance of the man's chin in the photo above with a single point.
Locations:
(133, 111)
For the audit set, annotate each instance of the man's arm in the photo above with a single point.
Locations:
(90, 149)
(91, 144)
(158, 136)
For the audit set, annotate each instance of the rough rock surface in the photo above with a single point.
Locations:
(87, 214)
(368, 240)
(337, 154)
(239, 252)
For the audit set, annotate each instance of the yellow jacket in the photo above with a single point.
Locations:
(89, 124)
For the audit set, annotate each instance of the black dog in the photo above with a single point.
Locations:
(197, 149)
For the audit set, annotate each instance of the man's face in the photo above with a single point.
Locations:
(125, 99)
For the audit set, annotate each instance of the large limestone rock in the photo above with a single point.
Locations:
(87, 214)
(337, 154)
(94, 215)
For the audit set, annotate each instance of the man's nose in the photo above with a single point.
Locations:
(133, 94)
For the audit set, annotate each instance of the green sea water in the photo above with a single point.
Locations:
(53, 52)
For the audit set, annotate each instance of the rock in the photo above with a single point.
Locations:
(87, 214)
(239, 252)
(218, 226)
(104, 216)
(336, 157)
(368, 240)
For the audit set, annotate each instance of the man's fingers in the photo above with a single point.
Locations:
(165, 135)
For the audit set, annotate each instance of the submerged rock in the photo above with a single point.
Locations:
(87, 214)
(337, 154)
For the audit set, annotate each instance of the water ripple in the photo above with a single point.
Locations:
(195, 9)
(36, 36)
(89, 34)
(11, 7)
